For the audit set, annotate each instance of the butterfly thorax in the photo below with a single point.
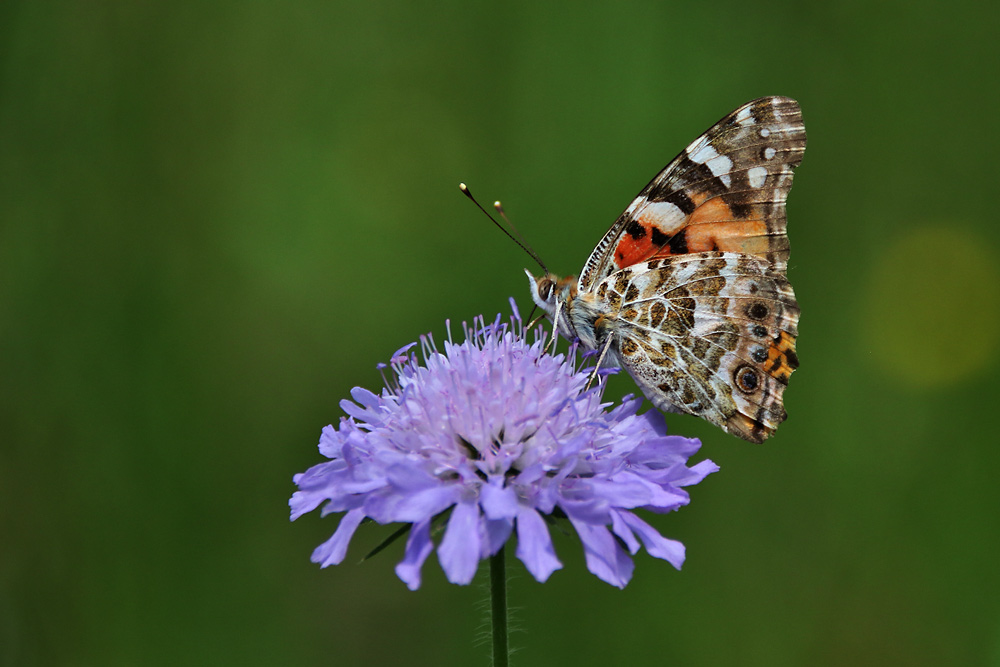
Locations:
(574, 314)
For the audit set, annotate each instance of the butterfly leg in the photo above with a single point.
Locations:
(600, 358)
(555, 328)
(532, 323)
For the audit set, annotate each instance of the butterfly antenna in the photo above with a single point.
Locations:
(513, 229)
(523, 245)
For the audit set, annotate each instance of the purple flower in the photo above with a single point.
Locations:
(508, 438)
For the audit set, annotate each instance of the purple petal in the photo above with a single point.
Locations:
(342, 503)
(530, 474)
(411, 507)
(653, 418)
(314, 487)
(660, 496)
(534, 545)
(678, 474)
(586, 508)
(365, 397)
(605, 558)
(621, 529)
(498, 502)
(356, 486)
(319, 475)
(625, 490)
(460, 549)
(513, 308)
(400, 356)
(330, 442)
(302, 502)
(360, 413)
(332, 551)
(656, 545)
(698, 472)
(418, 548)
(497, 533)
(407, 478)
(666, 449)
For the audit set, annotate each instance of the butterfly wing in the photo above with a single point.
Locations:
(726, 191)
(712, 335)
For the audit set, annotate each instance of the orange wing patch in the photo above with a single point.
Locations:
(714, 226)
(660, 232)
(781, 357)
(656, 223)
(636, 244)
(745, 236)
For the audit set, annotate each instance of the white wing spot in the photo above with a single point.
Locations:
(757, 176)
(719, 165)
(744, 117)
(769, 153)
(701, 154)
(764, 132)
(664, 215)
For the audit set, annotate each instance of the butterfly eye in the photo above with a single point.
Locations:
(545, 289)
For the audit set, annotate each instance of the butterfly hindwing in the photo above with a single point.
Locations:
(726, 191)
(710, 334)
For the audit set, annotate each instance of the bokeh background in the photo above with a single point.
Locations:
(217, 218)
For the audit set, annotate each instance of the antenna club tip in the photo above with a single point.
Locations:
(463, 187)
(497, 205)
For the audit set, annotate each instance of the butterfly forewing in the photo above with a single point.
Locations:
(726, 191)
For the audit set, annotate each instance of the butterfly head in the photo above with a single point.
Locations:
(549, 290)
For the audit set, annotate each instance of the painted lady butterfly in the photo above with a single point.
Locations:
(687, 290)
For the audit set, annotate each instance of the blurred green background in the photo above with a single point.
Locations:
(216, 218)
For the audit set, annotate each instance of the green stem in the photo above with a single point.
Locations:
(498, 597)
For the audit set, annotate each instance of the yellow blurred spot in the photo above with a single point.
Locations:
(933, 311)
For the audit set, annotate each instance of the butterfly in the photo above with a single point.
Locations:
(687, 290)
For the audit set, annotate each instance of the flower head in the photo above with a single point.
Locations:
(507, 437)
